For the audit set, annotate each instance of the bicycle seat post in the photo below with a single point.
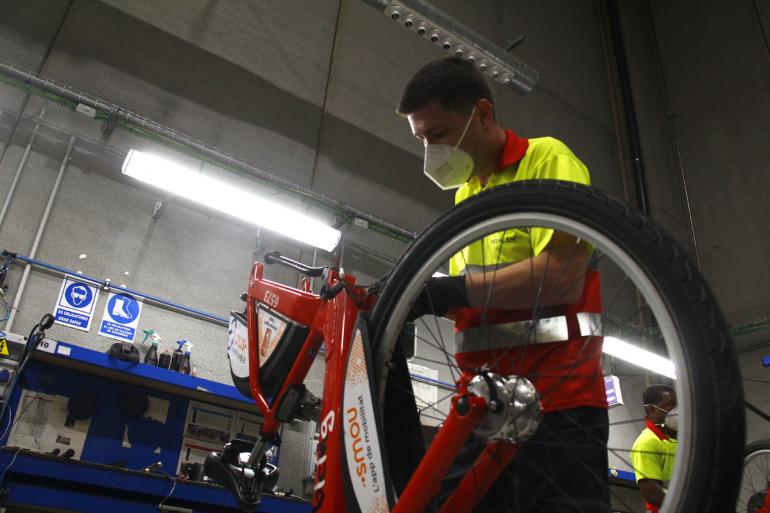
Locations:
(260, 447)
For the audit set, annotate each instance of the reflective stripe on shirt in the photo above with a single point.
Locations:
(551, 329)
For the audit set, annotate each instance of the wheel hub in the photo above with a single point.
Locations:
(513, 407)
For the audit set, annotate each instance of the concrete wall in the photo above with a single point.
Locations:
(307, 90)
(714, 60)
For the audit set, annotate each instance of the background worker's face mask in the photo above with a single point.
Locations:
(448, 166)
(670, 417)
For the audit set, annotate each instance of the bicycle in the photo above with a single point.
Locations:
(754, 496)
(653, 296)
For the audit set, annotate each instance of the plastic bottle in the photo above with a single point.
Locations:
(151, 356)
(186, 366)
(164, 360)
(178, 355)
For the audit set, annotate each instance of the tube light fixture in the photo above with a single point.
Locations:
(639, 357)
(207, 190)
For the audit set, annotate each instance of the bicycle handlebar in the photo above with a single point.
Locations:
(275, 257)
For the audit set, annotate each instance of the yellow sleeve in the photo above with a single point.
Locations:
(558, 167)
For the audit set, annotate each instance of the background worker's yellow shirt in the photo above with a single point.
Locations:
(652, 457)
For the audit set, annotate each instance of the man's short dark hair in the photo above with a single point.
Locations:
(653, 394)
(456, 83)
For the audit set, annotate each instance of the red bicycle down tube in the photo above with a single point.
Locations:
(765, 508)
(456, 429)
(480, 478)
(339, 328)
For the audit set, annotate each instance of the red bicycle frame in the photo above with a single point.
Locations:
(765, 508)
(350, 472)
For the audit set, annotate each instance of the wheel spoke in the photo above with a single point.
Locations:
(441, 347)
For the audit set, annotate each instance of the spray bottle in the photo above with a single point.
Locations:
(150, 334)
(151, 356)
(186, 365)
(178, 355)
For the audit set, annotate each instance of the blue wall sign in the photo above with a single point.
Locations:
(76, 304)
(121, 316)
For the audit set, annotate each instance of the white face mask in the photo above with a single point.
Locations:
(448, 166)
(672, 419)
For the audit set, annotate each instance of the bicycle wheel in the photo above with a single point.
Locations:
(652, 297)
(756, 477)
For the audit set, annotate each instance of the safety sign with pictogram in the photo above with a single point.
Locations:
(121, 316)
(3, 346)
(76, 304)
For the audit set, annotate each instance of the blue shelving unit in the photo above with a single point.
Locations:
(108, 476)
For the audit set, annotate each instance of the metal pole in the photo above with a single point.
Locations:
(315, 262)
(39, 236)
(19, 169)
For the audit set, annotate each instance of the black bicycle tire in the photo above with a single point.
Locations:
(715, 463)
(758, 445)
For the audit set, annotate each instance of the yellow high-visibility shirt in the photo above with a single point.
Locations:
(652, 457)
(546, 158)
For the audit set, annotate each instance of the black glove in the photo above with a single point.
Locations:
(438, 295)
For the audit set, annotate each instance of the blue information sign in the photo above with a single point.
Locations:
(121, 316)
(76, 304)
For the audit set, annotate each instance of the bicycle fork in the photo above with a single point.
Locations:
(465, 414)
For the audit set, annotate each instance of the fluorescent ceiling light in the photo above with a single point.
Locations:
(639, 357)
(230, 199)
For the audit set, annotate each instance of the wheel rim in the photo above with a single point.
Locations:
(624, 261)
(755, 482)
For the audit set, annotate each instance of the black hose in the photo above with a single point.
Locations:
(757, 411)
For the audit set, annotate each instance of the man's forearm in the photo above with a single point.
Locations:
(547, 279)
(652, 491)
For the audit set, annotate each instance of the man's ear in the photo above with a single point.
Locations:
(486, 110)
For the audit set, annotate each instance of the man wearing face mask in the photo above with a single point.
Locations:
(450, 108)
(654, 451)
